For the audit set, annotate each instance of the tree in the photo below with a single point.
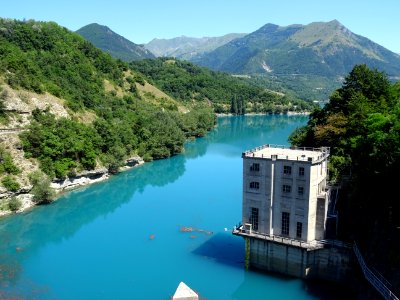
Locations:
(41, 190)
(361, 124)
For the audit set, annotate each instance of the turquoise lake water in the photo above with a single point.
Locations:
(122, 239)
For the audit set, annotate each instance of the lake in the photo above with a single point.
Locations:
(137, 235)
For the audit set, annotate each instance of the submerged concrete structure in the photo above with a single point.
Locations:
(285, 205)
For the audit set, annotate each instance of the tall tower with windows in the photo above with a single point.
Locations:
(285, 205)
(284, 192)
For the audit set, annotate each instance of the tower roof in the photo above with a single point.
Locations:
(277, 152)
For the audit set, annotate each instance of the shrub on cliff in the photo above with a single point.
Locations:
(42, 192)
(14, 204)
(10, 184)
(6, 163)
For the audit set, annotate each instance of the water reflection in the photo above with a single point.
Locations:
(82, 206)
(23, 238)
(23, 235)
(236, 128)
(240, 132)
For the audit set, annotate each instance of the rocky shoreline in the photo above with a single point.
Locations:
(62, 185)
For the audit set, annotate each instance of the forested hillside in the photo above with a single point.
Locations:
(361, 124)
(227, 94)
(108, 117)
(110, 42)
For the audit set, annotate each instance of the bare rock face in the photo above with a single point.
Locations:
(92, 176)
(80, 179)
(22, 103)
(134, 161)
(12, 144)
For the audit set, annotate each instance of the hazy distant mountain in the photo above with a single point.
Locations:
(317, 49)
(109, 41)
(187, 47)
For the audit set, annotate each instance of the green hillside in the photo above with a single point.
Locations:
(361, 124)
(227, 94)
(118, 46)
(43, 57)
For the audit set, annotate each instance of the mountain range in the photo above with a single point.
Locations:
(187, 48)
(308, 60)
(109, 41)
(320, 48)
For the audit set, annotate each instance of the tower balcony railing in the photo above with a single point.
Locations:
(245, 231)
(324, 152)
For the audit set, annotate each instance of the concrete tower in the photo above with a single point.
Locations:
(284, 192)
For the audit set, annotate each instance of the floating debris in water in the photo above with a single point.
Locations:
(191, 229)
(187, 229)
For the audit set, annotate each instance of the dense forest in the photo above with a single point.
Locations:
(187, 82)
(361, 124)
(43, 57)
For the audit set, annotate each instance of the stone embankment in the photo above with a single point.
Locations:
(80, 179)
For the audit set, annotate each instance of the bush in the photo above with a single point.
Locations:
(42, 192)
(10, 184)
(14, 204)
(6, 163)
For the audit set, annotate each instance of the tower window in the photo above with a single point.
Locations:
(255, 167)
(285, 223)
(301, 171)
(287, 170)
(299, 229)
(254, 218)
(286, 188)
(254, 185)
(300, 190)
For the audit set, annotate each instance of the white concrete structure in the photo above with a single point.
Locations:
(183, 292)
(284, 192)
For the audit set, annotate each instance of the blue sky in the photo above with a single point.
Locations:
(142, 20)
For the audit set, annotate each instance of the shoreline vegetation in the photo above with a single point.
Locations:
(288, 113)
(361, 125)
(62, 186)
(89, 177)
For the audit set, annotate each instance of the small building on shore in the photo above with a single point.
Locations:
(284, 213)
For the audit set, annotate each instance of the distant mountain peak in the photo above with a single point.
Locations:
(107, 40)
(187, 48)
